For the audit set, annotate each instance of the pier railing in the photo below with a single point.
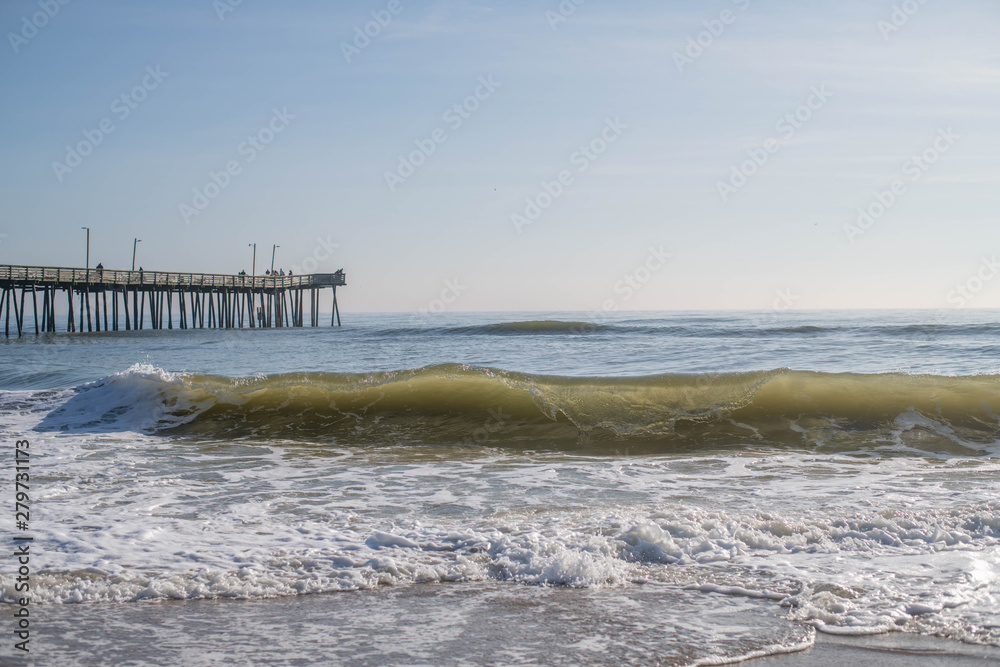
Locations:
(110, 277)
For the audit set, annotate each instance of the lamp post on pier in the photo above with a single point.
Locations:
(87, 265)
(273, 248)
(253, 265)
(134, 243)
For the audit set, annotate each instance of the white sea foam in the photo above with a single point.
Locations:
(293, 524)
(138, 399)
(836, 581)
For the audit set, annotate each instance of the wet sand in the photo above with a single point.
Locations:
(461, 624)
(884, 651)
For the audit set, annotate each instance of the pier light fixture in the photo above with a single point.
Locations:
(87, 264)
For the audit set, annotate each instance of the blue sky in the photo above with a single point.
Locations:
(650, 130)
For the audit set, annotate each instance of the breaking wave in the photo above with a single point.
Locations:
(457, 404)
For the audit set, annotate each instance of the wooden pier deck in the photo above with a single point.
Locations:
(204, 300)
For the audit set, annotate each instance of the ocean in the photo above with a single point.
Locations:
(506, 488)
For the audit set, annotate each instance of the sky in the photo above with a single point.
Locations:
(515, 156)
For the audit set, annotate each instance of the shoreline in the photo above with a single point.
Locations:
(886, 650)
(476, 623)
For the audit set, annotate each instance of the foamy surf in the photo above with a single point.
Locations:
(767, 556)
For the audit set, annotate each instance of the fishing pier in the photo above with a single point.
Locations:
(106, 299)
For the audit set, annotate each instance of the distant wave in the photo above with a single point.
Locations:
(534, 327)
(456, 404)
(527, 328)
(684, 329)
